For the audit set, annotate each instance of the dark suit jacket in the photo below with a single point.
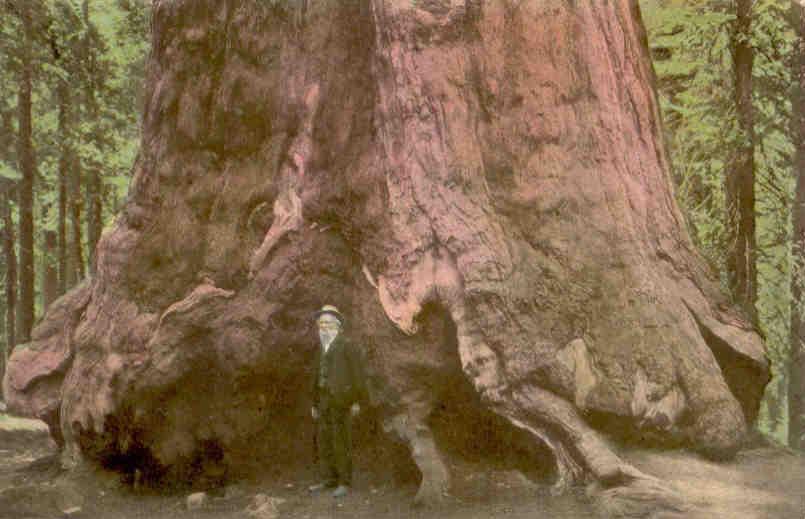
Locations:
(346, 379)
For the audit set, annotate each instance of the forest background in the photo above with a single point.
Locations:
(729, 77)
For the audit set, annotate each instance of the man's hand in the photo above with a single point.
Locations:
(355, 409)
(314, 412)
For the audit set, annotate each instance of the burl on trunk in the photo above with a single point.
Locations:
(496, 163)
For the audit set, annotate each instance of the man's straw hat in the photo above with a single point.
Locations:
(330, 309)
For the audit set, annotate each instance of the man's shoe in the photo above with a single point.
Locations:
(341, 491)
(318, 487)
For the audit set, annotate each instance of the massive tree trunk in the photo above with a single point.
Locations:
(25, 154)
(796, 367)
(740, 181)
(490, 169)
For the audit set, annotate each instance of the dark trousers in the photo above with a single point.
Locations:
(335, 443)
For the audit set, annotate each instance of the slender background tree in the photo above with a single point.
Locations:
(796, 382)
(27, 166)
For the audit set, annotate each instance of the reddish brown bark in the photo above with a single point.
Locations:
(64, 172)
(10, 258)
(480, 186)
(94, 203)
(25, 153)
(740, 181)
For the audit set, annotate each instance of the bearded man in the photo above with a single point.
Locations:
(339, 384)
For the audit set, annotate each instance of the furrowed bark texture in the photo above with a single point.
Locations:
(27, 165)
(490, 169)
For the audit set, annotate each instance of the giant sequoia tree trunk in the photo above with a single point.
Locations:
(486, 168)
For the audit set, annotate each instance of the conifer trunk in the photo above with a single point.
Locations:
(796, 366)
(75, 256)
(10, 258)
(26, 187)
(50, 273)
(740, 181)
(64, 172)
(93, 184)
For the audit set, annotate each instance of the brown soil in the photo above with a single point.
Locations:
(762, 483)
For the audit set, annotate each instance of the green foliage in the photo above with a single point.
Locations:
(8, 172)
(94, 51)
(690, 45)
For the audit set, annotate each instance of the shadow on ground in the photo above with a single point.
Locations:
(763, 482)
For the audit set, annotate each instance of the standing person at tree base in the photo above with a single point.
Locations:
(338, 385)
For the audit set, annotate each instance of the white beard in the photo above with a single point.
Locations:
(326, 337)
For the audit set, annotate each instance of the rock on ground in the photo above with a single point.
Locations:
(264, 507)
(196, 500)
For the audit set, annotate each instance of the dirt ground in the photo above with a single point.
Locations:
(761, 483)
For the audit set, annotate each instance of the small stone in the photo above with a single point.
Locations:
(264, 507)
(196, 501)
(72, 511)
(2, 407)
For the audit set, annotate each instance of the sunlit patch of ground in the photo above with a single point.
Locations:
(760, 483)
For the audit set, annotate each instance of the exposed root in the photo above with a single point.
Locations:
(411, 428)
(580, 453)
(641, 497)
(569, 472)
(740, 355)
(618, 488)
